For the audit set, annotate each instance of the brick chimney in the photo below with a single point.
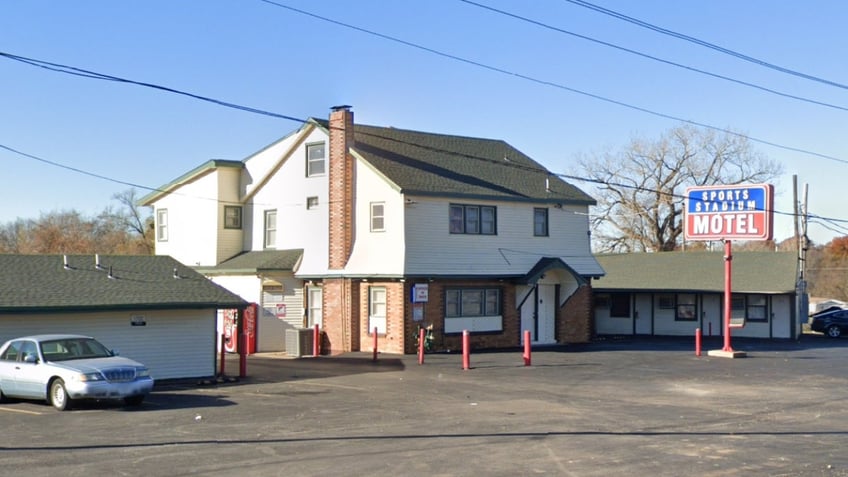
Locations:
(341, 169)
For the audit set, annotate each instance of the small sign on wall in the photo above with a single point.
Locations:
(281, 310)
(420, 293)
(137, 320)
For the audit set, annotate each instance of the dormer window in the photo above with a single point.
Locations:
(315, 159)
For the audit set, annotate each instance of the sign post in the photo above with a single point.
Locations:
(727, 212)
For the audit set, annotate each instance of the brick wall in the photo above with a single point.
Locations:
(434, 312)
(575, 318)
(396, 301)
(341, 316)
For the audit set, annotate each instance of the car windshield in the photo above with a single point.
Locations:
(73, 348)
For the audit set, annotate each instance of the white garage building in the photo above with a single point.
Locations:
(150, 308)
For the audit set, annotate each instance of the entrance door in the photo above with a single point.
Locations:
(643, 315)
(538, 313)
(546, 314)
(315, 295)
(711, 325)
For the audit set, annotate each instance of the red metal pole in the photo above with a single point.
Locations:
(375, 343)
(316, 341)
(223, 353)
(420, 345)
(728, 258)
(242, 351)
(526, 347)
(466, 360)
(697, 342)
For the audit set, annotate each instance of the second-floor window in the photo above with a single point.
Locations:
(232, 217)
(540, 222)
(473, 219)
(315, 159)
(270, 228)
(162, 225)
(378, 222)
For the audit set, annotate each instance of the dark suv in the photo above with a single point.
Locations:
(832, 322)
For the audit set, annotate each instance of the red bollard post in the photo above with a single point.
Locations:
(466, 359)
(375, 343)
(697, 342)
(242, 352)
(421, 346)
(316, 341)
(223, 353)
(526, 347)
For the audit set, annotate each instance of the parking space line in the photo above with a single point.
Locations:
(22, 411)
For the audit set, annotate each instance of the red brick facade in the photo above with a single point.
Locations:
(341, 174)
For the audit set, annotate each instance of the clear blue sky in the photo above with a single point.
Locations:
(259, 55)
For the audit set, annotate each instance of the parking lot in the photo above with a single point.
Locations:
(616, 407)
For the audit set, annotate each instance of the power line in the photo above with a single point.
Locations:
(554, 84)
(727, 51)
(654, 58)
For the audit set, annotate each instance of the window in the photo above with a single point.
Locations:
(540, 222)
(685, 307)
(311, 203)
(232, 217)
(665, 302)
(377, 217)
(620, 305)
(377, 310)
(472, 219)
(270, 228)
(749, 307)
(314, 159)
(315, 306)
(462, 302)
(162, 225)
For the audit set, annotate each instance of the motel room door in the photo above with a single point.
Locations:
(643, 315)
(711, 324)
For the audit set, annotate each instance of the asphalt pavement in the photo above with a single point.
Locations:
(614, 407)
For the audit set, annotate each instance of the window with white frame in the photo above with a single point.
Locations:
(377, 310)
(540, 222)
(378, 217)
(270, 228)
(315, 306)
(315, 159)
(232, 217)
(162, 225)
(472, 219)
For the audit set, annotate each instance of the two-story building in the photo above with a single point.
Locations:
(361, 228)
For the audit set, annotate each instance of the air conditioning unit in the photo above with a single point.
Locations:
(299, 342)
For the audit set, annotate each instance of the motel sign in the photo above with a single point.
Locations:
(731, 212)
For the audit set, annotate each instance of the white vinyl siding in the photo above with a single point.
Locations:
(432, 249)
(173, 344)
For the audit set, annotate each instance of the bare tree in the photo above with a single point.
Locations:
(641, 188)
(124, 231)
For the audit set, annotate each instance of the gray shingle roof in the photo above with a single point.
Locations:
(35, 283)
(264, 260)
(752, 272)
(423, 163)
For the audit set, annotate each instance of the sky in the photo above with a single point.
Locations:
(444, 66)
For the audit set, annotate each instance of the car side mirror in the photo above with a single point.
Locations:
(115, 352)
(30, 358)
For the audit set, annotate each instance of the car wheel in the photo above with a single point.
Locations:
(134, 400)
(834, 331)
(59, 395)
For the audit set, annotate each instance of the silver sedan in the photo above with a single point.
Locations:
(63, 368)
